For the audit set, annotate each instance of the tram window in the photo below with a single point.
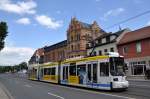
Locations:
(104, 69)
(64, 73)
(53, 71)
(94, 73)
(81, 68)
(89, 72)
(72, 70)
(46, 71)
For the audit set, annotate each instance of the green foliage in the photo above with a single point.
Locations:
(3, 34)
(14, 68)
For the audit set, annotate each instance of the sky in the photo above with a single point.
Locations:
(34, 24)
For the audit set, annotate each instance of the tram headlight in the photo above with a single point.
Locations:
(115, 79)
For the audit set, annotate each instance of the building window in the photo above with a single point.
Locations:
(105, 50)
(138, 47)
(72, 47)
(100, 52)
(108, 39)
(125, 50)
(99, 41)
(94, 53)
(78, 46)
(78, 36)
(71, 38)
(87, 45)
(112, 49)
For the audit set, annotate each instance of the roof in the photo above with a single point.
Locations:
(110, 34)
(121, 31)
(136, 35)
(85, 25)
(55, 46)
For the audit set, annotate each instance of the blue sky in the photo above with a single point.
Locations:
(36, 23)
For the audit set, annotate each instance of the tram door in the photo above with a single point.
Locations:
(40, 73)
(92, 72)
(65, 73)
(103, 75)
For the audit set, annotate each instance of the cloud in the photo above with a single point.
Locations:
(114, 12)
(15, 55)
(22, 7)
(58, 12)
(48, 22)
(24, 21)
(148, 23)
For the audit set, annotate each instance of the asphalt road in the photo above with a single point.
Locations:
(21, 88)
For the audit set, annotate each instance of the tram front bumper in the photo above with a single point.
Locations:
(118, 85)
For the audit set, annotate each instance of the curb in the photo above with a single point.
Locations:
(142, 80)
(7, 93)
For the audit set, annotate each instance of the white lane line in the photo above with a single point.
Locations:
(29, 86)
(140, 85)
(56, 95)
(102, 93)
(106, 94)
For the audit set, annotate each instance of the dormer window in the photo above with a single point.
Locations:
(99, 41)
(108, 39)
(104, 40)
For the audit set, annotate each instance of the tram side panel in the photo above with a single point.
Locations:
(85, 75)
(32, 73)
(50, 74)
(92, 74)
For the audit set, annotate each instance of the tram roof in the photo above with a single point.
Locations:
(86, 59)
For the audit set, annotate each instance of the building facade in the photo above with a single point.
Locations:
(37, 57)
(56, 52)
(77, 37)
(105, 43)
(135, 47)
(78, 34)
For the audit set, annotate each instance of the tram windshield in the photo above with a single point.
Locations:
(116, 66)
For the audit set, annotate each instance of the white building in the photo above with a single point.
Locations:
(105, 43)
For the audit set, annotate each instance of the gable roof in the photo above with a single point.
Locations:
(136, 35)
(55, 46)
(85, 25)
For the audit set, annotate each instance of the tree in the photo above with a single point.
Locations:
(23, 65)
(3, 34)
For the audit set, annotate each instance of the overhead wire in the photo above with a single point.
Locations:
(131, 18)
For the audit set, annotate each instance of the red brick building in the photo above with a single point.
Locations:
(76, 37)
(74, 46)
(135, 47)
(37, 57)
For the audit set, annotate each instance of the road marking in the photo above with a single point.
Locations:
(56, 95)
(140, 85)
(28, 86)
(102, 93)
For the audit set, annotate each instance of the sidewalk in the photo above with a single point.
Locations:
(138, 80)
(4, 94)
